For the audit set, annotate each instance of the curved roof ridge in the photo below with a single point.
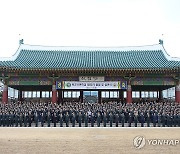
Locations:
(168, 57)
(13, 57)
(90, 48)
(154, 47)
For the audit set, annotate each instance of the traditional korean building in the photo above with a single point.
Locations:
(79, 73)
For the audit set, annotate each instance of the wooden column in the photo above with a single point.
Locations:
(177, 92)
(129, 93)
(5, 94)
(54, 94)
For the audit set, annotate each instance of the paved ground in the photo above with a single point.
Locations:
(88, 140)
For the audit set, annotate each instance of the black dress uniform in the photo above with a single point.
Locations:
(48, 119)
(92, 120)
(42, 119)
(142, 119)
(16, 119)
(122, 119)
(80, 119)
(130, 120)
(154, 120)
(36, 119)
(111, 119)
(7, 119)
(135, 120)
(0, 118)
(11, 119)
(67, 119)
(168, 118)
(4, 119)
(116, 120)
(54, 119)
(171, 120)
(29, 119)
(179, 120)
(98, 120)
(159, 120)
(163, 119)
(148, 120)
(104, 120)
(20, 119)
(86, 120)
(175, 120)
(25, 120)
(73, 119)
(61, 120)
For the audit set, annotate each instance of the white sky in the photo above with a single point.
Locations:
(89, 23)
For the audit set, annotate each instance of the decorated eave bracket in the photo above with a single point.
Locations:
(4, 78)
(53, 78)
(177, 77)
(129, 78)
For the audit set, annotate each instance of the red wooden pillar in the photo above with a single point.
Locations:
(5, 94)
(177, 93)
(54, 94)
(129, 93)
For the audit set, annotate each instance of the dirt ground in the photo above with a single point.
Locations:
(85, 140)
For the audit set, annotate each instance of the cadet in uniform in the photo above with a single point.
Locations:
(111, 119)
(73, 119)
(49, 119)
(67, 119)
(29, 119)
(61, 119)
(92, 119)
(86, 119)
(135, 118)
(54, 119)
(25, 119)
(79, 119)
(104, 119)
(154, 120)
(130, 119)
(142, 119)
(36, 119)
(148, 119)
(122, 119)
(20, 119)
(98, 120)
(16, 119)
(116, 119)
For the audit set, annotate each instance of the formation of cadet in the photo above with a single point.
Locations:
(75, 114)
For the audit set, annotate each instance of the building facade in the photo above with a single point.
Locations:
(92, 74)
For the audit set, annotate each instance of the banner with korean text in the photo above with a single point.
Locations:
(91, 85)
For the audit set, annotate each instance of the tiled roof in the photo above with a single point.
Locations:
(41, 57)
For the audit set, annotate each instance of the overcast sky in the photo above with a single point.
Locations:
(89, 23)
